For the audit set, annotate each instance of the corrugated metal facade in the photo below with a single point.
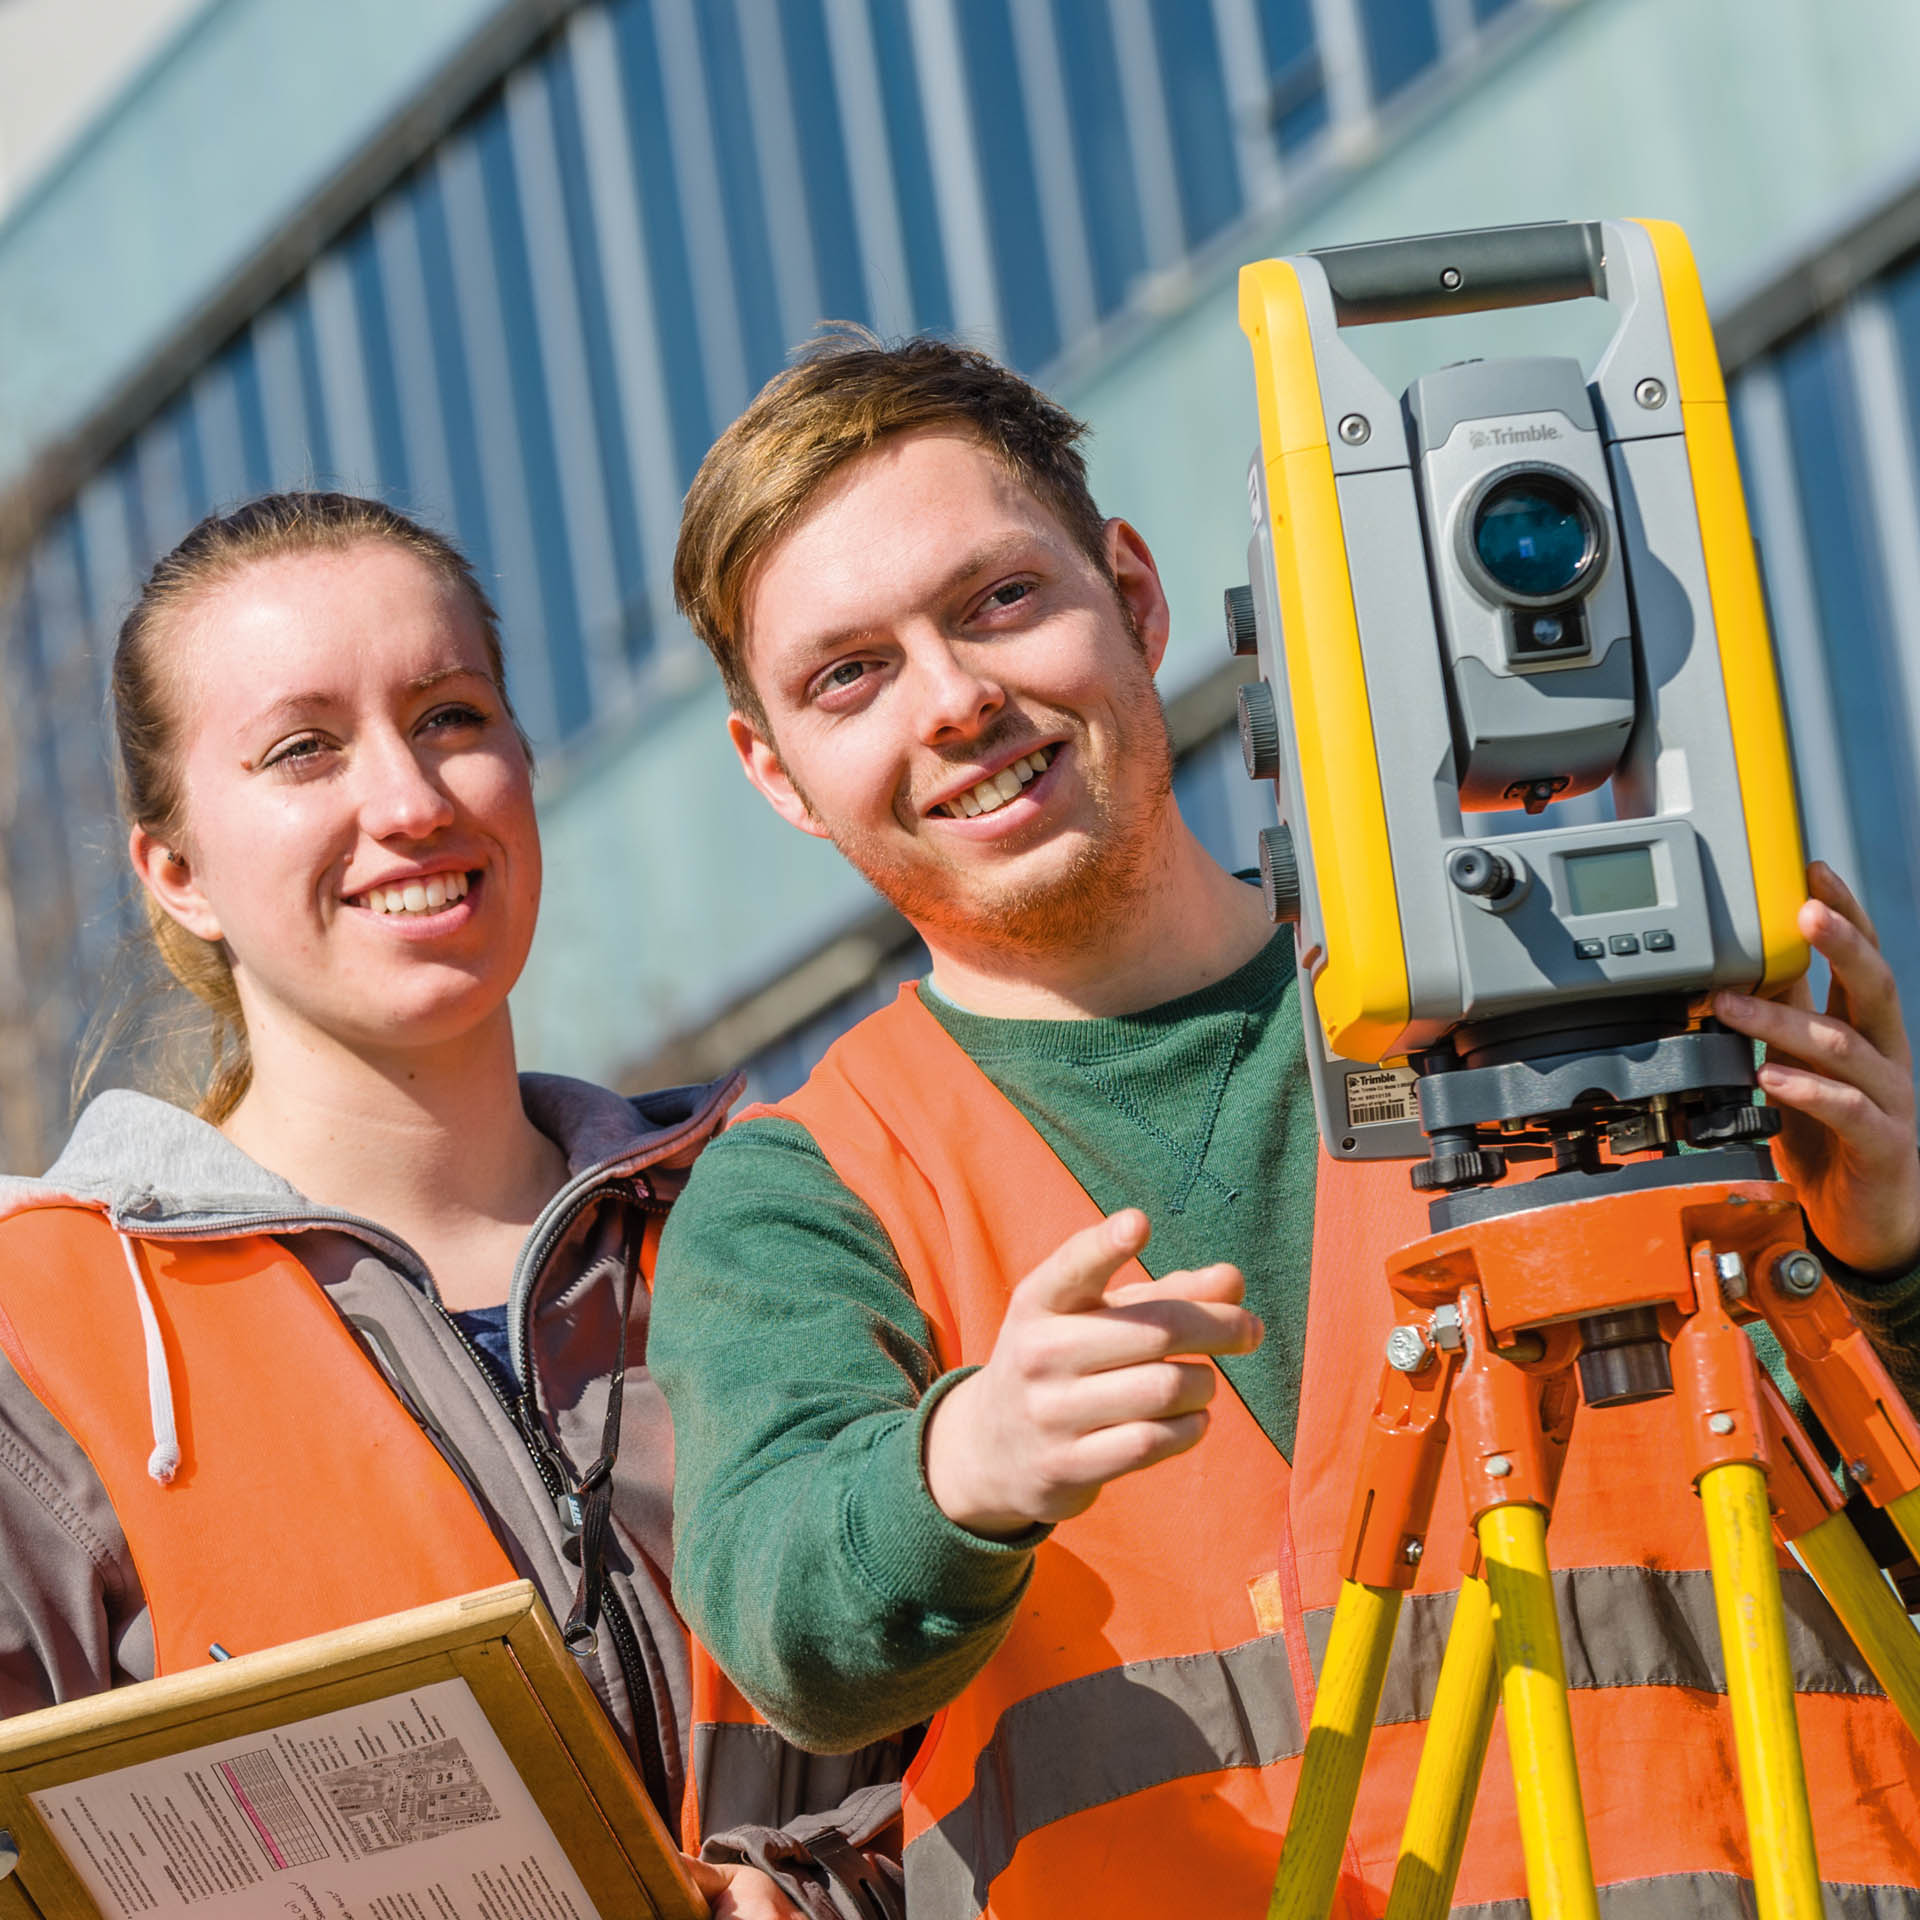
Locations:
(533, 336)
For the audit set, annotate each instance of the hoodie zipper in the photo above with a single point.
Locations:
(556, 1475)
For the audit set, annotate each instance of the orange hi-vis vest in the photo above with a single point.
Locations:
(305, 1496)
(1132, 1746)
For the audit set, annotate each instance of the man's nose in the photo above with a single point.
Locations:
(954, 694)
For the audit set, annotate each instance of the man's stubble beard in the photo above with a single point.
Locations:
(1073, 908)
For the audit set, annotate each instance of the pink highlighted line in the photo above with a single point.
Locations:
(246, 1806)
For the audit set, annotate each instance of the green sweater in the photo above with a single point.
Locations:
(809, 1556)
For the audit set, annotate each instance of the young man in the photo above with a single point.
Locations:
(944, 1449)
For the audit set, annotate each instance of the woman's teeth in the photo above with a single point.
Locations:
(416, 896)
(991, 795)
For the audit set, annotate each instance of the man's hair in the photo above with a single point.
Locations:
(847, 392)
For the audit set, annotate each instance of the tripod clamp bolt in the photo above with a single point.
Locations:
(1732, 1273)
(1797, 1273)
(1448, 1332)
(1408, 1349)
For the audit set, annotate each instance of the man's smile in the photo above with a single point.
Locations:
(997, 789)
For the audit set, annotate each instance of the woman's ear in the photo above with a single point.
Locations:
(167, 874)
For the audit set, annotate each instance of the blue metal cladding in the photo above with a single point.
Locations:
(468, 347)
(1403, 41)
(454, 375)
(250, 416)
(1823, 402)
(675, 318)
(376, 354)
(731, 110)
(1103, 159)
(597, 322)
(1012, 193)
(541, 478)
(1297, 98)
(818, 122)
(906, 124)
(1198, 117)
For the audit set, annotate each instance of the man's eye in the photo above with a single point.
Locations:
(848, 673)
(1010, 594)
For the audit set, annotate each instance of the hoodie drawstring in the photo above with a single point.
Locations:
(164, 1461)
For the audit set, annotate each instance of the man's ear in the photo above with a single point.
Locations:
(763, 767)
(168, 875)
(1137, 580)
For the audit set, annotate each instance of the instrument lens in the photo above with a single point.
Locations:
(1534, 535)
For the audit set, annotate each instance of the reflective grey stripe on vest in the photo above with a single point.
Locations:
(1622, 1627)
(747, 1776)
(1094, 1740)
(1714, 1896)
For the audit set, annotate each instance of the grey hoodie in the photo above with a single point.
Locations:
(73, 1620)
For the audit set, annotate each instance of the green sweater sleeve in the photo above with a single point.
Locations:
(808, 1554)
(1887, 1307)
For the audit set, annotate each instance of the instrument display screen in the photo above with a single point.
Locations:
(1617, 881)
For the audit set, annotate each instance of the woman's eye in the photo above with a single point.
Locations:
(457, 718)
(297, 754)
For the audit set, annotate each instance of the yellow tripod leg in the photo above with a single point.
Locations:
(1905, 1514)
(1451, 1758)
(1343, 1708)
(1753, 1638)
(1869, 1609)
(1533, 1689)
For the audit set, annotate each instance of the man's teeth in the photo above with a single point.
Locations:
(416, 896)
(991, 795)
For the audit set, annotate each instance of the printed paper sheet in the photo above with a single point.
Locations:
(407, 1808)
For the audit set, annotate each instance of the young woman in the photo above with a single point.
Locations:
(368, 1328)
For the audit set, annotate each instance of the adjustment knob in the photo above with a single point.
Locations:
(1259, 730)
(1480, 872)
(1279, 874)
(1469, 1167)
(1243, 639)
(1725, 1126)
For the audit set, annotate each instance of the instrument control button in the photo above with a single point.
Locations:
(1589, 949)
(1625, 943)
(1659, 940)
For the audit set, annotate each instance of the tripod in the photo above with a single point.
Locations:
(1604, 1283)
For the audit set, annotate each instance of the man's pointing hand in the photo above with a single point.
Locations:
(1087, 1381)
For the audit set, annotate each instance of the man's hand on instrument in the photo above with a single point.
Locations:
(1086, 1382)
(1844, 1080)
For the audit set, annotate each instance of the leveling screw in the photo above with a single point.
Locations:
(1797, 1273)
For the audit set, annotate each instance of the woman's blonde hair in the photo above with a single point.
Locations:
(147, 723)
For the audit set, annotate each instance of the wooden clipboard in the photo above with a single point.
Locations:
(501, 1643)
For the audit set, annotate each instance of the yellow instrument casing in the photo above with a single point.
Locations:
(1336, 474)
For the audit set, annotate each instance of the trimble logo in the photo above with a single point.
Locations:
(1479, 437)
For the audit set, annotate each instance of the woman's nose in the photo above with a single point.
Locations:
(400, 799)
